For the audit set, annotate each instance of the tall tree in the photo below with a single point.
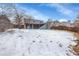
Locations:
(13, 11)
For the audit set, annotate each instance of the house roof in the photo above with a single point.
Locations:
(4, 17)
(31, 21)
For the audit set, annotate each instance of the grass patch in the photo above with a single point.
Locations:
(76, 47)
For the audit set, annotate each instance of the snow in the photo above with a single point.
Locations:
(29, 42)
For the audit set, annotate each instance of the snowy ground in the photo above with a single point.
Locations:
(36, 43)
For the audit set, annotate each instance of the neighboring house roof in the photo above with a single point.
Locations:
(4, 17)
(4, 23)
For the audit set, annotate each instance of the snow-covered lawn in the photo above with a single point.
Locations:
(36, 42)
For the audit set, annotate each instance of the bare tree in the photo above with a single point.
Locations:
(6, 8)
(20, 15)
(11, 10)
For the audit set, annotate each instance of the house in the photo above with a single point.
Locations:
(29, 23)
(4, 23)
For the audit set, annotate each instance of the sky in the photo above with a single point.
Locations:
(54, 11)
